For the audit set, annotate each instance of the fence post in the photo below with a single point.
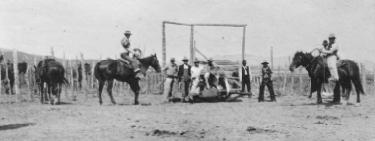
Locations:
(15, 71)
(1, 82)
(284, 82)
(292, 83)
(363, 77)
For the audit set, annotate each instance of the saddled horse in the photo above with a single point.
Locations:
(108, 70)
(319, 73)
(51, 72)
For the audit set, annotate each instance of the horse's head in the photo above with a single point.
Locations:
(155, 63)
(299, 59)
(151, 61)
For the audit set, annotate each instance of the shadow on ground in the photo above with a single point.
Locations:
(14, 126)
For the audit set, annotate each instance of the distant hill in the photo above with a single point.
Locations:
(29, 58)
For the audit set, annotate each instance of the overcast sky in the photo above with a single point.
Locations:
(95, 27)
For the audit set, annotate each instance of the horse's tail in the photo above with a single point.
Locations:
(356, 79)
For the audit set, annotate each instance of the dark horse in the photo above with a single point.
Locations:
(318, 71)
(51, 72)
(108, 70)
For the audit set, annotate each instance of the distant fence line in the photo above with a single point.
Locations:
(284, 82)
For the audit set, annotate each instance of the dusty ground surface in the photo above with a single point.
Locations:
(291, 118)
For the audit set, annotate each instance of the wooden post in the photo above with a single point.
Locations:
(1, 82)
(271, 57)
(301, 83)
(192, 53)
(26, 75)
(15, 70)
(284, 83)
(243, 42)
(84, 83)
(52, 52)
(164, 50)
(363, 77)
(292, 83)
(92, 74)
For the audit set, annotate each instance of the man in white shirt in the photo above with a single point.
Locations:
(171, 72)
(330, 53)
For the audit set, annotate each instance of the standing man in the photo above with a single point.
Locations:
(171, 72)
(245, 77)
(266, 81)
(184, 75)
(128, 55)
(330, 53)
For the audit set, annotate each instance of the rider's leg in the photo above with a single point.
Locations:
(135, 65)
(331, 61)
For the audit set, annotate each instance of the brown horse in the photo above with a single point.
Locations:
(52, 73)
(108, 70)
(318, 71)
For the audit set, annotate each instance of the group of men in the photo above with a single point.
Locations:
(195, 78)
(192, 79)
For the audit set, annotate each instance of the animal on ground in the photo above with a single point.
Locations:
(318, 72)
(106, 71)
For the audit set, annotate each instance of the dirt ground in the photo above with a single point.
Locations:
(291, 118)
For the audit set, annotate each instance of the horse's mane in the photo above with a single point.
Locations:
(146, 59)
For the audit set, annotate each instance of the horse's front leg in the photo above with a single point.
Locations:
(135, 88)
(319, 93)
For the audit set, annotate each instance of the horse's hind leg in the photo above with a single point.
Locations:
(101, 85)
(109, 90)
(347, 86)
(336, 94)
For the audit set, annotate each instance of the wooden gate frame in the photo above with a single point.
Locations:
(192, 52)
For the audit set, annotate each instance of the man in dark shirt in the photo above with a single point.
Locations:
(266, 81)
(245, 77)
(184, 77)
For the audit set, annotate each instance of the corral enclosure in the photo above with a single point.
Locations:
(79, 117)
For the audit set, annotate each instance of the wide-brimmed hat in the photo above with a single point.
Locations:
(265, 62)
(331, 36)
(185, 59)
(127, 32)
(196, 60)
(210, 59)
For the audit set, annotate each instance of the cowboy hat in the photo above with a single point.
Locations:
(127, 32)
(265, 62)
(185, 59)
(331, 36)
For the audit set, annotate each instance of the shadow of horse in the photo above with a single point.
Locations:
(15, 126)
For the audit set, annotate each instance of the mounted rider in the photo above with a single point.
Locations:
(329, 52)
(131, 56)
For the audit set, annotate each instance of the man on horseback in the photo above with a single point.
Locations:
(130, 56)
(329, 52)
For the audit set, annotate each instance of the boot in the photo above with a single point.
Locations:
(138, 74)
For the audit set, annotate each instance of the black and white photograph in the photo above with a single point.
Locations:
(187, 70)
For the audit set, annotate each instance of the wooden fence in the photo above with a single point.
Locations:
(285, 83)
